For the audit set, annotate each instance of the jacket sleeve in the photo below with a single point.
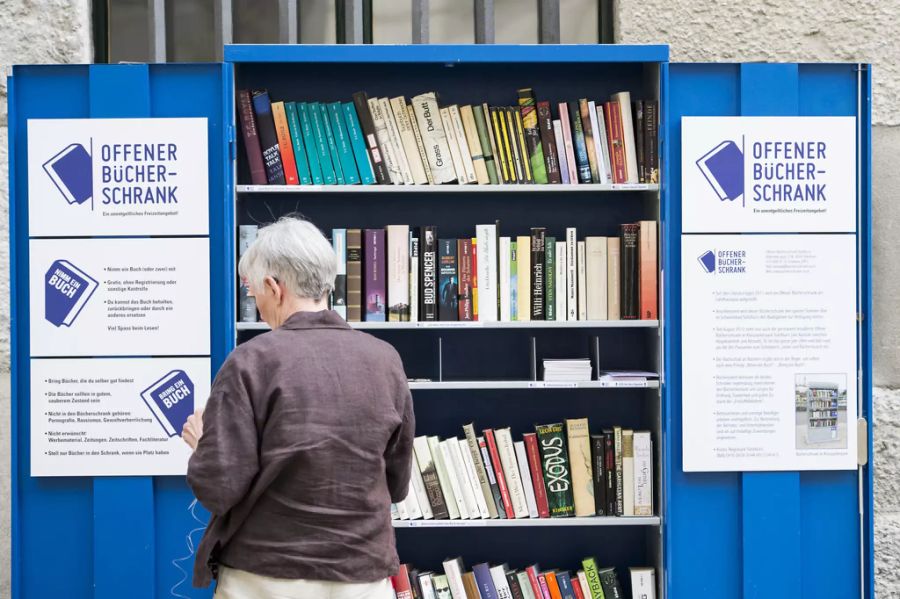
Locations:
(226, 459)
(398, 456)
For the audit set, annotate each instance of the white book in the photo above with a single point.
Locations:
(418, 485)
(510, 465)
(465, 155)
(413, 277)
(401, 509)
(453, 144)
(596, 263)
(481, 471)
(454, 478)
(643, 474)
(391, 160)
(486, 110)
(339, 242)
(454, 569)
(480, 504)
(603, 173)
(412, 503)
(434, 446)
(571, 274)
(569, 146)
(420, 143)
(475, 150)
(427, 586)
(398, 272)
(643, 583)
(486, 236)
(395, 512)
(434, 138)
(505, 257)
(408, 141)
(498, 575)
(583, 581)
(525, 473)
(396, 142)
(628, 472)
(562, 269)
(582, 282)
(525, 585)
(470, 492)
(561, 151)
(604, 145)
(631, 171)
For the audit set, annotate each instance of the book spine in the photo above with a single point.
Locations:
(457, 455)
(408, 140)
(628, 472)
(251, 138)
(492, 478)
(473, 140)
(598, 460)
(579, 585)
(550, 278)
(629, 271)
(427, 468)
(498, 473)
(589, 146)
(485, 581)
(505, 313)
(507, 453)
(538, 258)
(582, 280)
(434, 445)
(537, 475)
(545, 588)
(603, 129)
(296, 135)
(329, 175)
(561, 151)
(525, 477)
(555, 465)
(512, 580)
(453, 143)
(311, 143)
(339, 295)
(453, 477)
(418, 485)
(523, 149)
(400, 582)
(561, 284)
(565, 585)
(626, 126)
(533, 580)
(581, 156)
(568, 143)
(486, 112)
(367, 124)
(498, 573)
(481, 474)
(413, 277)
(616, 142)
(464, 253)
(599, 134)
(391, 160)
(610, 463)
(517, 158)
(648, 269)
(643, 474)
(592, 573)
(454, 570)
(482, 130)
(465, 156)
(474, 241)
(374, 281)
(268, 138)
(523, 266)
(534, 146)
(427, 585)
(358, 144)
(449, 281)
(613, 278)
(571, 274)
(643, 583)
(548, 141)
(246, 303)
(580, 466)
(344, 147)
(552, 584)
(393, 130)
(411, 501)
(638, 113)
(513, 280)
(429, 278)
(504, 159)
(434, 137)
(487, 272)
(620, 474)
(398, 272)
(595, 272)
(651, 143)
(354, 275)
(330, 138)
(525, 585)
(610, 582)
(420, 144)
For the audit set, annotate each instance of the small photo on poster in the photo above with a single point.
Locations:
(821, 411)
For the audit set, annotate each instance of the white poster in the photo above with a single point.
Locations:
(119, 297)
(113, 416)
(118, 177)
(768, 174)
(769, 352)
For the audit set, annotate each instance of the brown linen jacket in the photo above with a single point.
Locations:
(307, 439)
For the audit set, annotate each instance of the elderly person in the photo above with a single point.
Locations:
(305, 441)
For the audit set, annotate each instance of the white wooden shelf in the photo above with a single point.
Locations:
(439, 385)
(532, 324)
(497, 523)
(451, 188)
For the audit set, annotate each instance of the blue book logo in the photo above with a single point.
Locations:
(723, 167)
(708, 260)
(68, 289)
(72, 173)
(171, 399)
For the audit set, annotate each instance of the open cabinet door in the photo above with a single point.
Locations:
(108, 536)
(779, 530)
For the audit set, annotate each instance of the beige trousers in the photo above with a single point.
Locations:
(237, 584)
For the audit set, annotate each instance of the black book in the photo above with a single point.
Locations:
(609, 450)
(610, 583)
(268, 140)
(629, 272)
(548, 140)
(514, 587)
(598, 458)
(428, 277)
(376, 154)
(538, 256)
(582, 162)
(414, 585)
(638, 112)
(448, 290)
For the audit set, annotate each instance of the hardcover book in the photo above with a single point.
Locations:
(620, 472)
(582, 161)
(572, 273)
(651, 147)
(581, 251)
(548, 143)
(598, 461)
(485, 581)
(496, 462)
(296, 137)
(555, 465)
(311, 144)
(535, 467)
(373, 148)
(629, 271)
(67, 290)
(532, 134)
(580, 465)
(331, 140)
(398, 272)
(427, 468)
(610, 446)
(648, 269)
(492, 478)
(433, 136)
(610, 583)
(448, 281)
(374, 283)
(481, 473)
(613, 114)
(358, 144)
(561, 151)
(268, 139)
(589, 145)
(171, 399)
(339, 296)
(568, 142)
(354, 275)
(628, 472)
(329, 172)
(638, 113)
(81, 167)
(627, 128)
(343, 144)
(487, 272)
(429, 275)
(643, 474)
(507, 453)
(443, 473)
(285, 147)
(413, 277)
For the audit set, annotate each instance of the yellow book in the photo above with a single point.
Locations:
(579, 441)
(523, 149)
(523, 266)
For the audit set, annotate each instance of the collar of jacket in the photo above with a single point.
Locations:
(323, 319)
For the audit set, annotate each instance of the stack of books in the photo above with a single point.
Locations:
(484, 581)
(558, 471)
(392, 141)
(558, 370)
(627, 378)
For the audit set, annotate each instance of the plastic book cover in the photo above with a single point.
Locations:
(68, 289)
(171, 399)
(723, 167)
(72, 173)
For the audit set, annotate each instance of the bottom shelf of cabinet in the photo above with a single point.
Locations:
(586, 521)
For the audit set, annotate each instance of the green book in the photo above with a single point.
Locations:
(592, 574)
(484, 140)
(342, 139)
(332, 144)
(532, 134)
(358, 143)
(309, 140)
(513, 281)
(318, 127)
(555, 464)
(290, 110)
(550, 278)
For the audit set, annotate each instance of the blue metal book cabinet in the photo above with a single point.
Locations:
(718, 535)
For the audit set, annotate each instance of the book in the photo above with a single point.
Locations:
(481, 473)
(507, 453)
(579, 585)
(568, 142)
(596, 262)
(314, 114)
(342, 143)
(331, 141)
(603, 137)
(525, 585)
(400, 582)
(428, 470)
(474, 241)
(385, 142)
(486, 143)
(413, 277)
(304, 174)
(398, 272)
(485, 580)
(643, 583)
(565, 585)
(374, 283)
(171, 400)
(550, 278)
(525, 477)
(638, 112)
(426, 582)
(534, 579)
(492, 478)
(620, 472)
(498, 573)
(647, 270)
(268, 138)
(545, 589)
(504, 152)
(510, 131)
(453, 146)
(393, 131)
(537, 475)
(453, 461)
(429, 275)
(411, 503)
(548, 143)
(473, 140)
(420, 144)
(610, 463)
(414, 583)
(588, 131)
(504, 279)
(580, 466)
(524, 277)
(628, 472)
(628, 304)
(616, 141)
(246, 303)
(592, 574)
(523, 149)
(513, 280)
(311, 143)
(531, 132)
(571, 273)
(446, 484)
(582, 161)
(487, 272)
(358, 144)
(434, 138)
(441, 586)
(492, 141)
(471, 586)
(465, 156)
(643, 473)
(408, 141)
(339, 295)
(651, 143)
(560, 286)
(481, 504)
(370, 135)
(67, 290)
(75, 164)
(598, 472)
(599, 134)
(623, 99)
(538, 258)
(561, 152)
(555, 466)
(552, 584)
(613, 278)
(464, 261)
(418, 486)
(454, 569)
(610, 583)
(448, 303)
(499, 474)
(515, 588)
(582, 280)
(354, 275)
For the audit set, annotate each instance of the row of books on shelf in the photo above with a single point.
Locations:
(558, 471)
(400, 274)
(390, 141)
(484, 581)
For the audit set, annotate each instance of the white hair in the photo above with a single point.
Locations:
(293, 251)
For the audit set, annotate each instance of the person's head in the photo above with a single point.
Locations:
(290, 267)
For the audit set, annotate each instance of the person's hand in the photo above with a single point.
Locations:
(193, 428)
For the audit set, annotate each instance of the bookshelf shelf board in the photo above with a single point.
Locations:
(532, 324)
(590, 521)
(591, 187)
(439, 385)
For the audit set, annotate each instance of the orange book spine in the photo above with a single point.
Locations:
(647, 255)
(283, 133)
(552, 585)
(616, 141)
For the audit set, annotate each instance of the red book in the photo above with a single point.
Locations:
(498, 472)
(533, 578)
(400, 581)
(552, 585)
(617, 143)
(647, 269)
(545, 589)
(285, 146)
(537, 475)
(251, 138)
(464, 256)
(576, 588)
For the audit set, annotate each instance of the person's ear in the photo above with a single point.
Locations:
(271, 285)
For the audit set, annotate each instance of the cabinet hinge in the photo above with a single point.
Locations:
(862, 441)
